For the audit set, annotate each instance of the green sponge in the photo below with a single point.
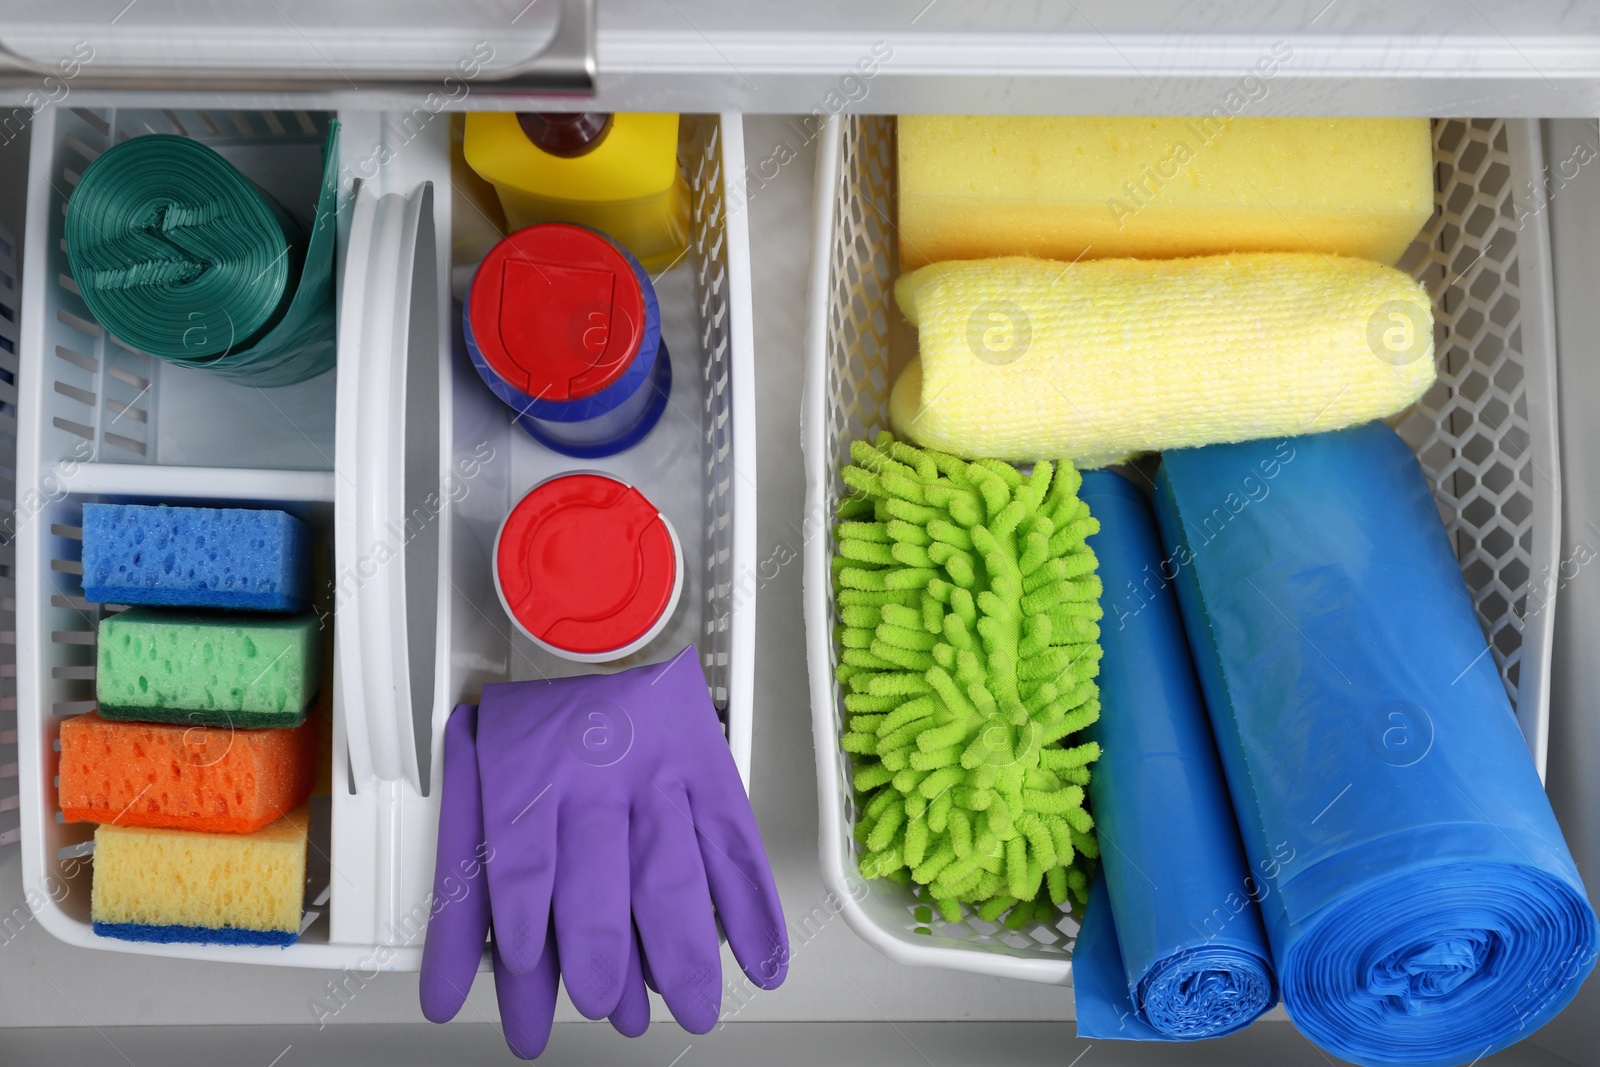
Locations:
(245, 671)
(969, 644)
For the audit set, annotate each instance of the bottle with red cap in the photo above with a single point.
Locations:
(587, 568)
(563, 326)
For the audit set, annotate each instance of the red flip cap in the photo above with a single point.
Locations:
(586, 563)
(557, 312)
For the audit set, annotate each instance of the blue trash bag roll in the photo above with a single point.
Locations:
(1172, 947)
(1424, 908)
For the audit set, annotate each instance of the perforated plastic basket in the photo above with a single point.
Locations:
(1486, 435)
(402, 445)
(697, 466)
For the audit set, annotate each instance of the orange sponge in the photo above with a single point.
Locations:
(206, 778)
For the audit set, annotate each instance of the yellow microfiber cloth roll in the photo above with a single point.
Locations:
(179, 885)
(1029, 359)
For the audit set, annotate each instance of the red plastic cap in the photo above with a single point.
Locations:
(557, 312)
(586, 564)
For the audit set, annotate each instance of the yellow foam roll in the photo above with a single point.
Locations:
(1028, 359)
(973, 186)
(184, 884)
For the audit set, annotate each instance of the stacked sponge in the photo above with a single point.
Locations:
(240, 559)
(235, 889)
(182, 778)
(200, 759)
(209, 670)
(1081, 187)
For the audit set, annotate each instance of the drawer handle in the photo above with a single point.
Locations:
(391, 238)
(148, 55)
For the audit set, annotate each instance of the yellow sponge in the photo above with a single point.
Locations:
(1029, 359)
(177, 885)
(972, 187)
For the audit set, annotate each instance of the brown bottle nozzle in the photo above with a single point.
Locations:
(566, 134)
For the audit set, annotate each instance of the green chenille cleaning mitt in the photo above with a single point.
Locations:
(969, 644)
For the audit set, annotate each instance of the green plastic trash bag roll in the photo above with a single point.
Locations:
(179, 255)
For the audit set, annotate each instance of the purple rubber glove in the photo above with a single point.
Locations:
(460, 922)
(611, 802)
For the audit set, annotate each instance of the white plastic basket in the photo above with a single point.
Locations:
(1486, 434)
(368, 446)
(698, 466)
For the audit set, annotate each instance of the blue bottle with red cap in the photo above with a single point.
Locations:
(563, 326)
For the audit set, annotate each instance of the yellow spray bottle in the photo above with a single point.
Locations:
(616, 173)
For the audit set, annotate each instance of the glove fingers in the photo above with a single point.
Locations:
(672, 907)
(644, 963)
(593, 921)
(632, 1017)
(741, 878)
(459, 922)
(520, 817)
(528, 1002)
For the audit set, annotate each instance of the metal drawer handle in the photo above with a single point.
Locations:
(565, 64)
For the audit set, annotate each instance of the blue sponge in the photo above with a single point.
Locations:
(198, 935)
(236, 558)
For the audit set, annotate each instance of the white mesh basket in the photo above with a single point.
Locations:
(1486, 434)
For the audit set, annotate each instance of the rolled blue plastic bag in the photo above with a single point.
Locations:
(1424, 908)
(1172, 947)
